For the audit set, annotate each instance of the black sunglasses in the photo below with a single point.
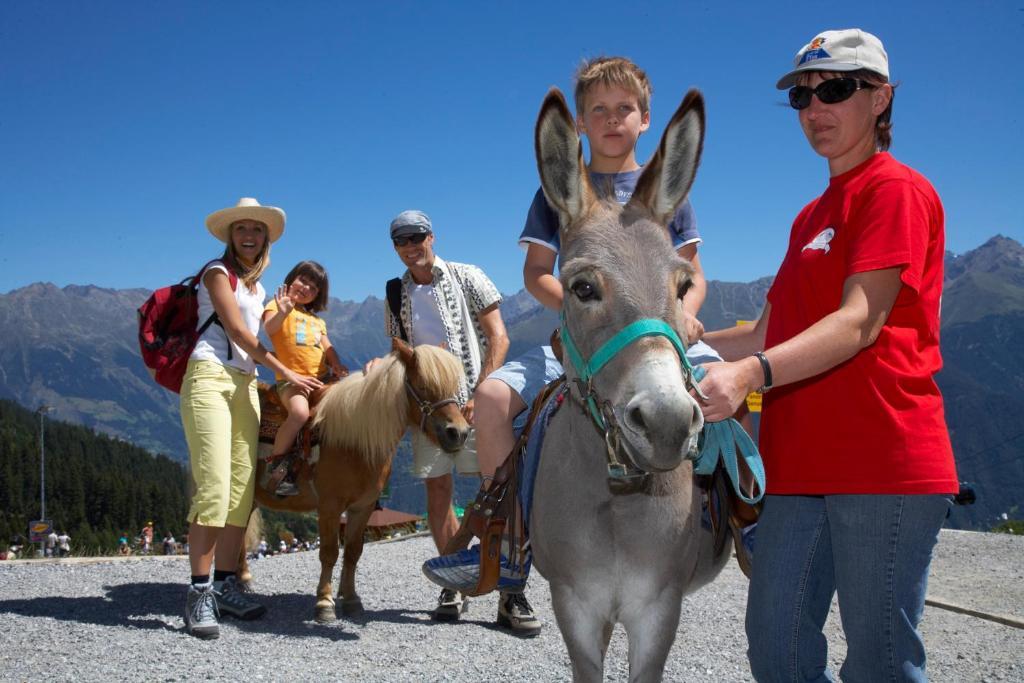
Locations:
(406, 239)
(828, 92)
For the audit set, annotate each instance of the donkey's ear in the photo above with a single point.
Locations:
(669, 174)
(563, 175)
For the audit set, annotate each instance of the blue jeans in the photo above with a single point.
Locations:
(874, 551)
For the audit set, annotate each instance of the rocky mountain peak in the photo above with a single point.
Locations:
(998, 253)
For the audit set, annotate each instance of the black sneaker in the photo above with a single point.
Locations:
(201, 612)
(450, 605)
(515, 614)
(232, 600)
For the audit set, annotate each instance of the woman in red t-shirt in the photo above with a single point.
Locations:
(858, 461)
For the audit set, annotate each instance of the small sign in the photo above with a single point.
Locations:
(39, 529)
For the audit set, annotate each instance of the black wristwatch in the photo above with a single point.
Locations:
(766, 368)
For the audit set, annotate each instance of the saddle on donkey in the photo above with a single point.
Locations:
(730, 478)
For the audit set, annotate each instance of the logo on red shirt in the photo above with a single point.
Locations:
(821, 240)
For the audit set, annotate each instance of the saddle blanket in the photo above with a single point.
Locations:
(272, 415)
(531, 453)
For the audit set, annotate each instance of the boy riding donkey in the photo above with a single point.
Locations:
(612, 97)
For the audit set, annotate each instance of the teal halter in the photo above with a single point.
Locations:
(585, 370)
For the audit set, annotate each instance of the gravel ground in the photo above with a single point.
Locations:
(118, 619)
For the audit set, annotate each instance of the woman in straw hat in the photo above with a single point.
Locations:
(857, 455)
(220, 411)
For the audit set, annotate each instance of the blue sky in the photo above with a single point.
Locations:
(123, 124)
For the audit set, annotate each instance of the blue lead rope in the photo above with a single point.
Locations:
(720, 442)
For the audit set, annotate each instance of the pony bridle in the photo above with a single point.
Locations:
(601, 410)
(426, 407)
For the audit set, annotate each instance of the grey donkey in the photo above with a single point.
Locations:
(614, 556)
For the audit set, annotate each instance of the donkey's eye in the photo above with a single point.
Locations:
(584, 290)
(684, 287)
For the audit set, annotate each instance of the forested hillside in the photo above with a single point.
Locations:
(97, 487)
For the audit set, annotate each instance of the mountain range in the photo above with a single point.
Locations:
(75, 349)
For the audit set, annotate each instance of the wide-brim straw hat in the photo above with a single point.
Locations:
(219, 222)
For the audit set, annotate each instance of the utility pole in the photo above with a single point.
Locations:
(43, 409)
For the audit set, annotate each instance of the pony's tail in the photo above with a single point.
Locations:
(254, 530)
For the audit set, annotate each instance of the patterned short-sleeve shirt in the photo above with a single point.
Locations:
(480, 294)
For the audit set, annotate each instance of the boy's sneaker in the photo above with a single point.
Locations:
(201, 612)
(233, 601)
(515, 614)
(461, 571)
(450, 605)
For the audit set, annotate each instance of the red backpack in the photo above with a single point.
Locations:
(169, 328)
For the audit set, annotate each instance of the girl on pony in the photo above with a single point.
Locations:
(301, 344)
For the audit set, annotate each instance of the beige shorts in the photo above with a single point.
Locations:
(429, 460)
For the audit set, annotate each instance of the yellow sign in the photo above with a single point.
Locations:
(754, 398)
(39, 529)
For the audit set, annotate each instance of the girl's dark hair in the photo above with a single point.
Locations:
(883, 125)
(315, 274)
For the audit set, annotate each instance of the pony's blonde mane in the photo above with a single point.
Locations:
(367, 413)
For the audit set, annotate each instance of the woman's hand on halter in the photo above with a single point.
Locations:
(726, 385)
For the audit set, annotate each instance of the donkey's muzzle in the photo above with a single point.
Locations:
(658, 427)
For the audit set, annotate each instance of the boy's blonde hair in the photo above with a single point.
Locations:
(609, 71)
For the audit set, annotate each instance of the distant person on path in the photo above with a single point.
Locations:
(147, 538)
(51, 544)
(168, 543)
(122, 545)
(455, 306)
(64, 544)
(220, 411)
(300, 342)
(857, 455)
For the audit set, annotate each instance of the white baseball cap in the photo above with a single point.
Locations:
(848, 49)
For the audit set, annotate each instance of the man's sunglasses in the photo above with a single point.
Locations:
(407, 239)
(831, 91)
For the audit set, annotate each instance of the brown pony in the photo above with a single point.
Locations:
(361, 420)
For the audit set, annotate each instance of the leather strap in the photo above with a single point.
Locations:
(495, 515)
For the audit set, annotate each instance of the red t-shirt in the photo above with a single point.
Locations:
(875, 423)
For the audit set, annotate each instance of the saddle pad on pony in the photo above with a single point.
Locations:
(272, 415)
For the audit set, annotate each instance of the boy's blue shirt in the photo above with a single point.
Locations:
(542, 221)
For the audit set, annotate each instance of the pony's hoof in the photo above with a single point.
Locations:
(352, 608)
(325, 613)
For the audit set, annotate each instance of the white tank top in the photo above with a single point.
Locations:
(213, 344)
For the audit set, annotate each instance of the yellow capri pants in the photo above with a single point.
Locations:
(220, 411)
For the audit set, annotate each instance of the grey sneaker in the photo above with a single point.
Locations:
(232, 600)
(450, 605)
(201, 612)
(515, 614)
